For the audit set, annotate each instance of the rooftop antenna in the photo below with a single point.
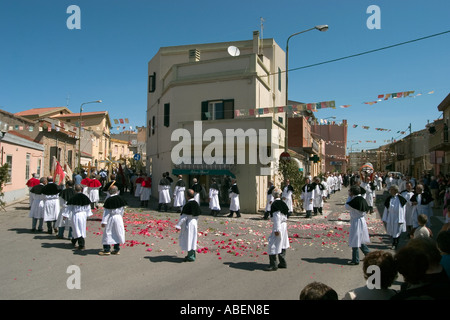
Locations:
(262, 36)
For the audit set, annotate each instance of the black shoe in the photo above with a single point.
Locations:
(271, 268)
(282, 266)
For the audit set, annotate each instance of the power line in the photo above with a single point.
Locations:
(370, 51)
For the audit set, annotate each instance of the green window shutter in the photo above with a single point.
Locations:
(228, 109)
(166, 114)
(204, 110)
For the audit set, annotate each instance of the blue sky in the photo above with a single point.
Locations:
(44, 64)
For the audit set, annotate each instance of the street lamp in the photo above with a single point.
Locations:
(79, 130)
(322, 28)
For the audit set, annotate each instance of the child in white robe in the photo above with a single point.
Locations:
(78, 210)
(187, 225)
(358, 233)
(112, 221)
(278, 239)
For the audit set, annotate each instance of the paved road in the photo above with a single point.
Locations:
(150, 266)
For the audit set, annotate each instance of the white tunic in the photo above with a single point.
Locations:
(330, 184)
(114, 230)
(270, 200)
(394, 217)
(358, 233)
(234, 201)
(318, 197)
(286, 195)
(145, 194)
(137, 192)
(325, 189)
(179, 198)
(419, 208)
(214, 199)
(408, 207)
(78, 216)
(369, 195)
(307, 198)
(51, 207)
(60, 222)
(37, 207)
(280, 242)
(94, 194)
(164, 193)
(188, 231)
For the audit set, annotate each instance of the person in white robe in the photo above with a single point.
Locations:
(287, 196)
(369, 187)
(407, 194)
(278, 240)
(85, 185)
(214, 204)
(307, 195)
(379, 181)
(422, 202)
(179, 198)
(319, 195)
(358, 233)
(37, 205)
(394, 215)
(187, 225)
(164, 193)
(330, 185)
(389, 181)
(269, 200)
(112, 221)
(64, 196)
(78, 210)
(234, 200)
(339, 182)
(137, 185)
(197, 190)
(51, 204)
(335, 183)
(146, 191)
(94, 190)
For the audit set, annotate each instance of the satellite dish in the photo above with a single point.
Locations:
(233, 51)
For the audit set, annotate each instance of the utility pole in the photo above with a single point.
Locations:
(411, 152)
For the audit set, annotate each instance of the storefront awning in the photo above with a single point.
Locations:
(204, 172)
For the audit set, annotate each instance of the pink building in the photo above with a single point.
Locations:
(24, 155)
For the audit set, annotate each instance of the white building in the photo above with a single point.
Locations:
(200, 89)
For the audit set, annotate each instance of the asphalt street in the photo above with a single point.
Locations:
(230, 261)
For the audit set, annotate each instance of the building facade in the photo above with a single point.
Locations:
(22, 153)
(193, 94)
(335, 137)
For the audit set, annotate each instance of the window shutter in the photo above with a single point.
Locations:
(228, 109)
(152, 82)
(204, 110)
(166, 114)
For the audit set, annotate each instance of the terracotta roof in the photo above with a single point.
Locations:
(39, 111)
(77, 115)
(15, 133)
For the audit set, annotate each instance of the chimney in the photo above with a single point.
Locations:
(256, 42)
(194, 55)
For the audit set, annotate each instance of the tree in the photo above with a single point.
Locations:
(4, 177)
(290, 170)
